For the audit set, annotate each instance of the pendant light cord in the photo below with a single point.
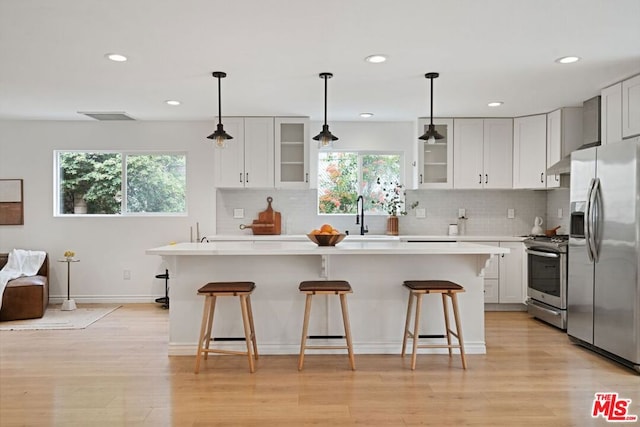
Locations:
(220, 102)
(431, 101)
(325, 100)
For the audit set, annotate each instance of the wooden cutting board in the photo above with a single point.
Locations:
(268, 222)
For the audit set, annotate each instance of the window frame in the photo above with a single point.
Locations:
(123, 191)
(360, 154)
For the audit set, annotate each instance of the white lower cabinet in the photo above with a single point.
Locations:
(512, 274)
(505, 277)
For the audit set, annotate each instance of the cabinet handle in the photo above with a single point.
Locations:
(480, 179)
(240, 176)
(421, 179)
(486, 178)
(306, 177)
(247, 177)
(542, 177)
(557, 178)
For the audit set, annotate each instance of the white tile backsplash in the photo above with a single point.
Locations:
(558, 199)
(486, 211)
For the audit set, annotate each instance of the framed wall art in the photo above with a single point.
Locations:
(11, 202)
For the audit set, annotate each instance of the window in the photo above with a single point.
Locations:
(342, 176)
(120, 183)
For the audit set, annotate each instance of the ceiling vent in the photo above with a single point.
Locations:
(115, 115)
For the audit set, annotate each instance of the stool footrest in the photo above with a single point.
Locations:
(228, 339)
(219, 351)
(326, 347)
(316, 337)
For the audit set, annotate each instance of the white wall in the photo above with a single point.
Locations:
(105, 245)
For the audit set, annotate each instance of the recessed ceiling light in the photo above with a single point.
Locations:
(376, 59)
(495, 104)
(116, 57)
(172, 102)
(568, 59)
(366, 115)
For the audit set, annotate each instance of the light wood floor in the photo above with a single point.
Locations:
(117, 372)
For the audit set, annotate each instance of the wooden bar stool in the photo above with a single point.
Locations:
(326, 287)
(418, 288)
(212, 291)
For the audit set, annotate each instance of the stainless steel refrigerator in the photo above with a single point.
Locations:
(603, 300)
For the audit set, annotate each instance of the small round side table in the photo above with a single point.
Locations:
(68, 304)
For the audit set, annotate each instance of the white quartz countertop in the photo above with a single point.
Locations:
(368, 237)
(271, 247)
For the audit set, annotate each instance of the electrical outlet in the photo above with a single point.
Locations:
(238, 213)
(559, 212)
(511, 213)
(126, 274)
(421, 213)
(462, 213)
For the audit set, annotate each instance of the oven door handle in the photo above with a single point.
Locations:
(543, 254)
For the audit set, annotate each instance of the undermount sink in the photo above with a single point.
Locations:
(358, 237)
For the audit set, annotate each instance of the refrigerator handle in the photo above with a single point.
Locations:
(596, 202)
(587, 222)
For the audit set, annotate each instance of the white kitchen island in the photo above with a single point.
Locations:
(375, 269)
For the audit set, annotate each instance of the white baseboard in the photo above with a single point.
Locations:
(505, 307)
(104, 299)
(180, 349)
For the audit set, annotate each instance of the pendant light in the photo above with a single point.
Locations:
(325, 138)
(431, 134)
(220, 136)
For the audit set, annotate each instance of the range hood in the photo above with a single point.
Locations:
(590, 135)
(563, 167)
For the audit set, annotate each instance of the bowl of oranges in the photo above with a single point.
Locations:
(326, 236)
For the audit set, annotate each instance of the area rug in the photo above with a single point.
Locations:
(54, 318)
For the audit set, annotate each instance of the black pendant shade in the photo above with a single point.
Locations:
(220, 136)
(325, 138)
(431, 132)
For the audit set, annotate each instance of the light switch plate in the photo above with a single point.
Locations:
(559, 212)
(511, 213)
(421, 213)
(462, 213)
(238, 213)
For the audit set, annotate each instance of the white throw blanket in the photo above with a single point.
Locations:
(20, 263)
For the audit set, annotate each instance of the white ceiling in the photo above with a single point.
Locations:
(52, 62)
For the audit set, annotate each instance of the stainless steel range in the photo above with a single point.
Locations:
(547, 278)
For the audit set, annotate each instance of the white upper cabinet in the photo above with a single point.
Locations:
(292, 152)
(564, 135)
(435, 161)
(530, 151)
(498, 153)
(468, 153)
(483, 153)
(611, 114)
(248, 159)
(631, 107)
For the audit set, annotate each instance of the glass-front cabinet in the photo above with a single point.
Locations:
(435, 159)
(292, 152)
